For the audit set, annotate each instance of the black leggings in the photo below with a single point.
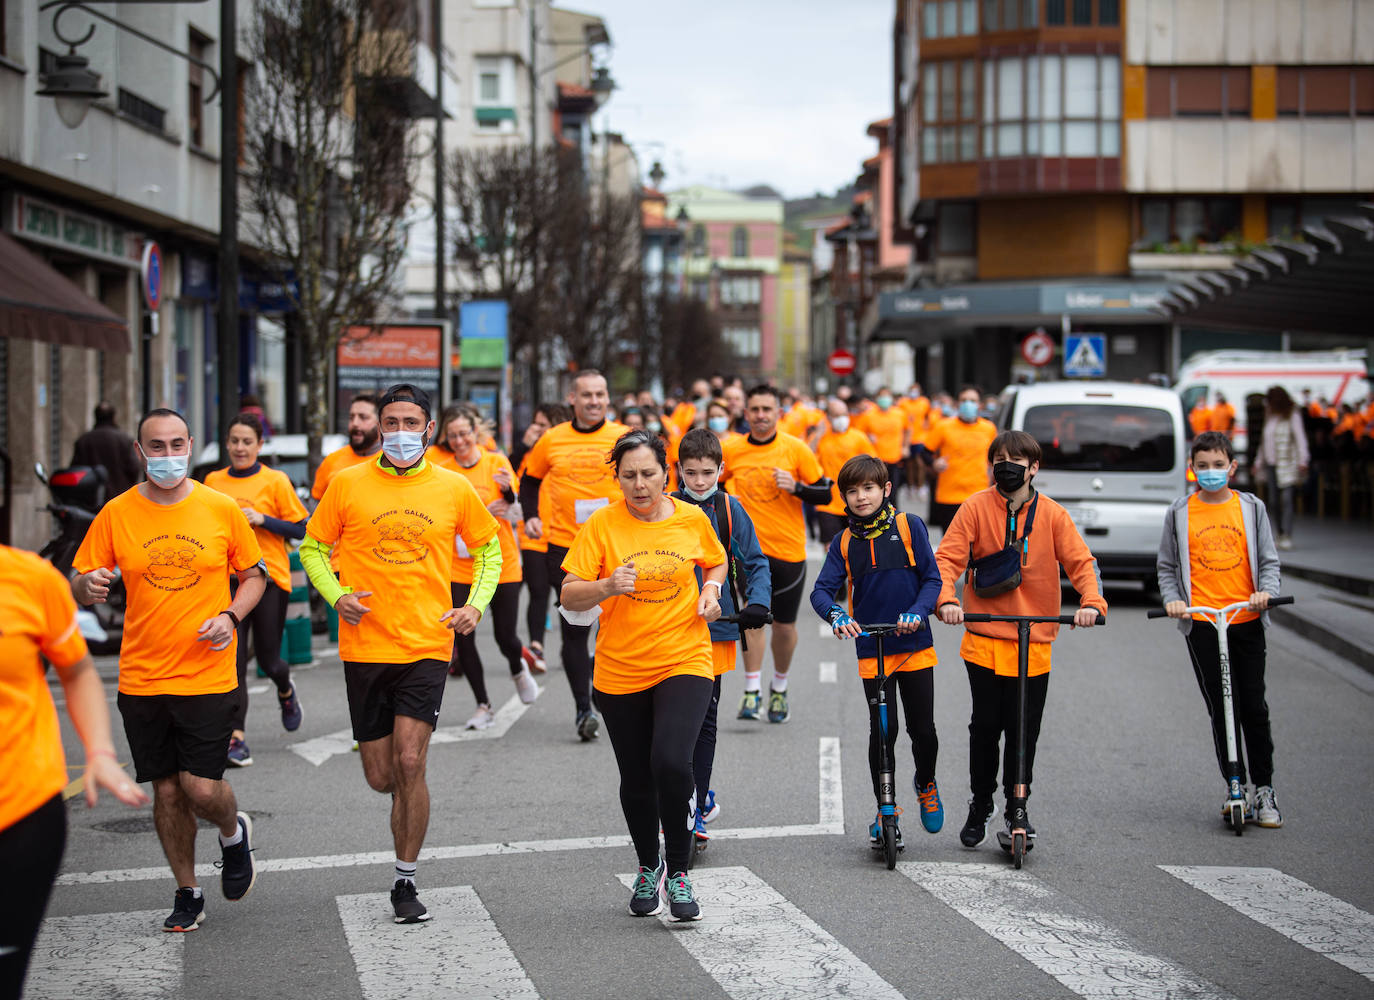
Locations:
(653, 733)
(1245, 652)
(267, 621)
(994, 713)
(576, 639)
(917, 688)
(535, 566)
(30, 853)
(505, 613)
(704, 757)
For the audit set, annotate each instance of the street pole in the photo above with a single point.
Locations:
(227, 323)
(440, 234)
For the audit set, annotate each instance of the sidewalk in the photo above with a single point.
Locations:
(1330, 572)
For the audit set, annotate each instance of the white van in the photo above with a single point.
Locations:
(1114, 455)
(1336, 376)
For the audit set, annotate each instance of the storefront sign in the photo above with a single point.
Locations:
(370, 358)
(44, 222)
(482, 328)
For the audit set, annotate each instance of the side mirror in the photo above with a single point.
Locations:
(41, 472)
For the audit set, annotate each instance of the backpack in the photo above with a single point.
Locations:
(848, 537)
(725, 519)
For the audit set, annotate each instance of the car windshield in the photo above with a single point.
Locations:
(1092, 437)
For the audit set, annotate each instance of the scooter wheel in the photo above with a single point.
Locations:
(1238, 817)
(1018, 847)
(890, 841)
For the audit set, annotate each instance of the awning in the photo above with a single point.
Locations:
(37, 303)
(1324, 284)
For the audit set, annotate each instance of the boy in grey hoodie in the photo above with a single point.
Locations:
(1218, 549)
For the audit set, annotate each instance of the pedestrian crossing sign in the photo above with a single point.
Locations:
(1085, 355)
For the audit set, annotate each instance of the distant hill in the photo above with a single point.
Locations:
(797, 212)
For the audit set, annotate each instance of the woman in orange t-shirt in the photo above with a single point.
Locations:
(493, 479)
(636, 559)
(269, 501)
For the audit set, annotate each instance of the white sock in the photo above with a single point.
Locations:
(752, 681)
(237, 838)
(195, 890)
(779, 682)
(405, 871)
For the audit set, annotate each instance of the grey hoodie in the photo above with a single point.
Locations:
(1174, 565)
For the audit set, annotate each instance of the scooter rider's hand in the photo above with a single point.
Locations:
(1084, 618)
(1259, 600)
(842, 625)
(1176, 609)
(951, 614)
(908, 622)
(462, 620)
(93, 587)
(351, 607)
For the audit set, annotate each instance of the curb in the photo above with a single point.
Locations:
(1360, 586)
(1324, 637)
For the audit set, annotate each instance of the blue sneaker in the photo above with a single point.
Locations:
(875, 834)
(699, 830)
(711, 809)
(932, 812)
(291, 711)
(777, 706)
(646, 898)
(749, 705)
(239, 754)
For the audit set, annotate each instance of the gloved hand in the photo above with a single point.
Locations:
(842, 625)
(753, 616)
(908, 621)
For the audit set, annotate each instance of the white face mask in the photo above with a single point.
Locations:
(167, 471)
(700, 497)
(403, 447)
(839, 424)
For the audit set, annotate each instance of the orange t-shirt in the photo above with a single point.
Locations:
(886, 428)
(37, 619)
(916, 410)
(921, 659)
(1199, 418)
(653, 633)
(175, 560)
(1218, 563)
(269, 492)
(482, 476)
(965, 446)
(577, 477)
(833, 450)
(438, 455)
(778, 517)
(394, 536)
(797, 421)
(1222, 417)
(683, 416)
(334, 463)
(723, 655)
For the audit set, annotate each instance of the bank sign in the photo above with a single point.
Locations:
(993, 300)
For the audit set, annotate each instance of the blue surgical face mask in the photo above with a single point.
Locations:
(1212, 480)
(167, 471)
(884, 402)
(403, 447)
(968, 410)
(700, 497)
(719, 424)
(654, 427)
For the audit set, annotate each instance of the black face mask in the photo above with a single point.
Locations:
(1009, 476)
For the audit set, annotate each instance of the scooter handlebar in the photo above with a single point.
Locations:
(977, 616)
(1274, 602)
(735, 619)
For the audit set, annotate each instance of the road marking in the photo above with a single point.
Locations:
(828, 671)
(1055, 934)
(1315, 920)
(460, 948)
(259, 689)
(823, 630)
(754, 943)
(78, 784)
(123, 955)
(321, 748)
(830, 821)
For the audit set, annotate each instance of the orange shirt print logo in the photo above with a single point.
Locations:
(1223, 548)
(655, 576)
(169, 565)
(400, 538)
(587, 466)
(758, 484)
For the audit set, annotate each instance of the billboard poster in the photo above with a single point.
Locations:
(371, 358)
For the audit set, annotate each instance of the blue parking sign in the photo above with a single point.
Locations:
(1085, 355)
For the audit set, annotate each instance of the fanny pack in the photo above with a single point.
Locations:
(1000, 572)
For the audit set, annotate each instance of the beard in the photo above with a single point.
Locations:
(364, 440)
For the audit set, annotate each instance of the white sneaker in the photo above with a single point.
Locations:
(1285, 542)
(526, 686)
(483, 718)
(1267, 808)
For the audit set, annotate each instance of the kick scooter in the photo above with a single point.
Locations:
(1016, 840)
(1221, 618)
(887, 781)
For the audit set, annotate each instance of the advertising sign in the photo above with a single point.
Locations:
(370, 358)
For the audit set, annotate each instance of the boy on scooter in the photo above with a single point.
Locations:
(883, 559)
(1218, 549)
(1015, 540)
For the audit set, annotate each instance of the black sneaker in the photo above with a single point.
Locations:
(646, 898)
(976, 826)
(588, 725)
(187, 912)
(291, 711)
(405, 900)
(682, 904)
(237, 873)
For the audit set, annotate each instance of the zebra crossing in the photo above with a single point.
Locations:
(752, 941)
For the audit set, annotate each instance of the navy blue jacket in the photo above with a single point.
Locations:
(884, 585)
(757, 585)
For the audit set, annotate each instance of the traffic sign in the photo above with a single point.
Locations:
(842, 362)
(151, 273)
(1038, 348)
(1085, 355)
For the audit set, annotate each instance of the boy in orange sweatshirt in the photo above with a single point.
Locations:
(1011, 513)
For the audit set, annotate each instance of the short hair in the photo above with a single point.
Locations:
(1016, 444)
(1211, 441)
(366, 397)
(589, 373)
(863, 469)
(162, 411)
(554, 413)
(104, 412)
(699, 443)
(969, 387)
(639, 439)
(763, 389)
(248, 420)
(404, 392)
(719, 403)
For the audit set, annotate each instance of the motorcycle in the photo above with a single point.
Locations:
(78, 493)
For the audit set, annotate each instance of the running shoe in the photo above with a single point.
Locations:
(976, 826)
(526, 687)
(534, 659)
(646, 898)
(699, 828)
(777, 706)
(291, 711)
(239, 754)
(750, 705)
(875, 834)
(588, 725)
(711, 809)
(483, 718)
(237, 873)
(1267, 807)
(405, 901)
(187, 912)
(932, 812)
(682, 904)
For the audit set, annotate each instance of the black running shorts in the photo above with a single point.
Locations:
(169, 733)
(378, 692)
(788, 579)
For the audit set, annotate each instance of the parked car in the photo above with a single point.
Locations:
(282, 451)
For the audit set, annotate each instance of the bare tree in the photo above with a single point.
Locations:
(330, 161)
(690, 341)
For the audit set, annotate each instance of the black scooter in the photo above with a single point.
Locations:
(78, 493)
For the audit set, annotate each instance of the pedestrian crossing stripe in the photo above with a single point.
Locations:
(123, 955)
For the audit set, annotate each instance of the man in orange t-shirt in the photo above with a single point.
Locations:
(773, 474)
(175, 542)
(1222, 417)
(959, 444)
(567, 476)
(364, 441)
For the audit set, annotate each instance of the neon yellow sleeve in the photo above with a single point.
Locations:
(486, 572)
(315, 558)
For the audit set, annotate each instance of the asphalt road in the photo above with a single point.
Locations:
(796, 903)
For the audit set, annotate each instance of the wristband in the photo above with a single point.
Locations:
(712, 583)
(100, 752)
(232, 617)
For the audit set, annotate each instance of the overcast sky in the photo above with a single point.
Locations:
(739, 92)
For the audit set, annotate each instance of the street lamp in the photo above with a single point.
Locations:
(74, 85)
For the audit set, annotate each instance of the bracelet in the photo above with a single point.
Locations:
(100, 752)
(232, 617)
(712, 583)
